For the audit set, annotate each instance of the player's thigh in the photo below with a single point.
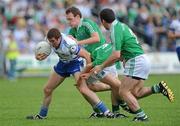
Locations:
(111, 80)
(138, 87)
(76, 76)
(128, 83)
(54, 80)
(99, 86)
(81, 83)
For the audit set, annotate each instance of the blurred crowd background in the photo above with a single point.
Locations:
(27, 21)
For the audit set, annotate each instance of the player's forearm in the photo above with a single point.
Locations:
(87, 57)
(90, 40)
(83, 53)
(111, 60)
(87, 68)
(115, 56)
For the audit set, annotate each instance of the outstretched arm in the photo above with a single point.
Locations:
(83, 53)
(93, 39)
(112, 59)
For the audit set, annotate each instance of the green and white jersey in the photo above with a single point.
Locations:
(124, 40)
(101, 53)
(84, 31)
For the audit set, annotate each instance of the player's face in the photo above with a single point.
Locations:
(54, 42)
(73, 21)
(105, 25)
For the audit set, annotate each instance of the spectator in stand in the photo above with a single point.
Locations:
(174, 32)
(12, 54)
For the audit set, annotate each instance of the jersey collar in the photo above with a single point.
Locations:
(80, 24)
(113, 23)
(61, 41)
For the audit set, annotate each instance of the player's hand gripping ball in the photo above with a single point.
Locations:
(42, 50)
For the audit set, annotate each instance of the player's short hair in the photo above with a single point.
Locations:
(53, 33)
(75, 11)
(107, 15)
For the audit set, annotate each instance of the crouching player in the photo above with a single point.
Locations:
(137, 66)
(69, 63)
(108, 76)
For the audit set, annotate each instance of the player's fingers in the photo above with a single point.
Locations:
(38, 57)
(92, 70)
(84, 76)
(41, 56)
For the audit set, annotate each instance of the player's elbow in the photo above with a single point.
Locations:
(87, 56)
(116, 55)
(97, 38)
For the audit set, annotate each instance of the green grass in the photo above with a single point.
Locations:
(68, 108)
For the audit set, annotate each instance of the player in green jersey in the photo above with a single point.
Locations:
(84, 30)
(87, 34)
(136, 68)
(90, 37)
(104, 76)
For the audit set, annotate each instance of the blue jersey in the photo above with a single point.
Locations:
(175, 27)
(69, 62)
(68, 49)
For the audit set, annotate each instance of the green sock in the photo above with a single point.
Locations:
(96, 110)
(122, 103)
(115, 108)
(140, 113)
(155, 88)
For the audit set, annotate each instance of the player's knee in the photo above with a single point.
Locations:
(82, 90)
(92, 87)
(121, 92)
(136, 94)
(115, 84)
(47, 91)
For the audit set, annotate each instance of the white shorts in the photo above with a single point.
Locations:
(108, 70)
(137, 67)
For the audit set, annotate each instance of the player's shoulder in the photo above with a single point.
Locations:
(67, 40)
(71, 30)
(87, 21)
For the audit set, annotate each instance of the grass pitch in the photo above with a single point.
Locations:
(68, 108)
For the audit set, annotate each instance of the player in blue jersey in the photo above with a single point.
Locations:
(69, 63)
(174, 32)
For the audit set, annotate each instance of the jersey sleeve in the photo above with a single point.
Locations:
(73, 47)
(71, 32)
(90, 27)
(99, 60)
